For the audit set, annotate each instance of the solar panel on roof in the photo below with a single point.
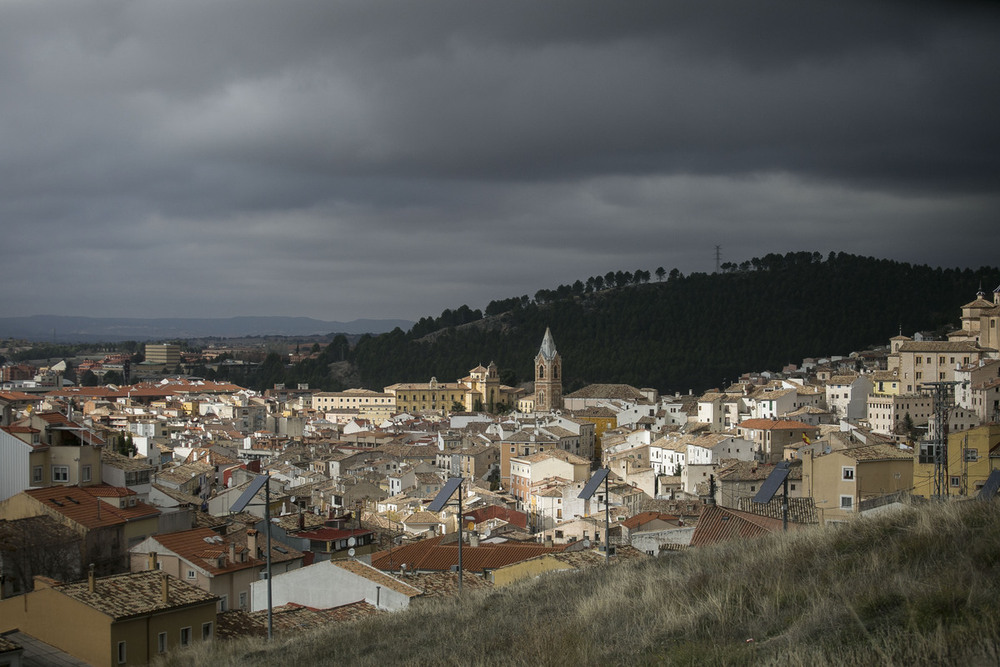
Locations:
(772, 483)
(594, 482)
(444, 495)
(248, 495)
(989, 489)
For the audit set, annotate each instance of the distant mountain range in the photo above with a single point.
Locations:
(67, 329)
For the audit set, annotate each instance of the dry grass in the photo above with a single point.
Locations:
(919, 586)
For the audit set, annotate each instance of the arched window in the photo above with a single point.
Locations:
(555, 372)
(541, 372)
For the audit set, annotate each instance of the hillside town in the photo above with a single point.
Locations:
(126, 531)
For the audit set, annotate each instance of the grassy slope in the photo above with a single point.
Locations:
(919, 586)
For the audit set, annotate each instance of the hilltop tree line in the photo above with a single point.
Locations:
(681, 332)
(673, 333)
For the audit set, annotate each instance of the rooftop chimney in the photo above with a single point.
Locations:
(232, 552)
(252, 543)
(165, 587)
(91, 583)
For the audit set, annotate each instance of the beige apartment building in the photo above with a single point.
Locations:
(887, 412)
(367, 404)
(934, 361)
(839, 481)
(163, 354)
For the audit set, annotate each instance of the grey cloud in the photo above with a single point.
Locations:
(317, 156)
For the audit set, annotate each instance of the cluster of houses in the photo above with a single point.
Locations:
(116, 502)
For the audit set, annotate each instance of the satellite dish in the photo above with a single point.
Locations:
(351, 542)
(350, 552)
(293, 499)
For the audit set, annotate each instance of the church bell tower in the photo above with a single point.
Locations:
(548, 376)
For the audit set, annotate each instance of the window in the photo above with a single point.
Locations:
(121, 653)
(971, 455)
(190, 574)
(243, 600)
(955, 481)
(161, 642)
(847, 473)
(185, 636)
(36, 475)
(847, 503)
(206, 631)
(85, 474)
(60, 473)
(224, 603)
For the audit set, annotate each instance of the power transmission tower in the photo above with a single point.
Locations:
(944, 398)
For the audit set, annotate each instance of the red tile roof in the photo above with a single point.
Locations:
(431, 555)
(86, 509)
(718, 523)
(777, 424)
(203, 546)
(642, 518)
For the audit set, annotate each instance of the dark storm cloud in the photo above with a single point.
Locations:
(391, 159)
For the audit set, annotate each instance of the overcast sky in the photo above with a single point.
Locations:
(342, 160)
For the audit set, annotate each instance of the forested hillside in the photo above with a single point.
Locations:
(660, 329)
(676, 332)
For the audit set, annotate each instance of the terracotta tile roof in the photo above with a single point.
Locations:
(116, 460)
(718, 523)
(748, 471)
(122, 596)
(445, 584)
(878, 452)
(203, 547)
(519, 519)
(287, 619)
(296, 618)
(776, 425)
(642, 518)
(377, 576)
(88, 510)
(616, 391)
(940, 346)
(422, 517)
(559, 454)
(432, 555)
(800, 510)
(19, 396)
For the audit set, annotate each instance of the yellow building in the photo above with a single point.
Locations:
(885, 383)
(969, 462)
(839, 482)
(477, 392)
(124, 619)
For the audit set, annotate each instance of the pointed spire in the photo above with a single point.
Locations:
(548, 349)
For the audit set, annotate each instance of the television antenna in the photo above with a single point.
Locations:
(601, 475)
(241, 504)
